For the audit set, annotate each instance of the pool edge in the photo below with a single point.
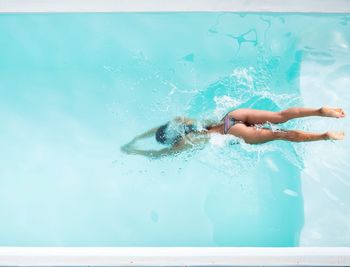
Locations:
(294, 6)
(176, 256)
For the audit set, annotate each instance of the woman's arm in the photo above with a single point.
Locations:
(189, 142)
(149, 133)
(152, 153)
(184, 120)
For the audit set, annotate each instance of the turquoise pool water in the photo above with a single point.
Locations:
(75, 87)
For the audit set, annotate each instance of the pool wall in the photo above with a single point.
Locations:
(319, 6)
(181, 256)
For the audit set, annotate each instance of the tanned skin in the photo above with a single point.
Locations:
(245, 128)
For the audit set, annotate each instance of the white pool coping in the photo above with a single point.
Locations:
(309, 6)
(176, 256)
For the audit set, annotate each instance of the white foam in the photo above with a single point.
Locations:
(290, 192)
(218, 140)
(223, 103)
(272, 165)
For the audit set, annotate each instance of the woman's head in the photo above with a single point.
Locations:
(161, 134)
(173, 131)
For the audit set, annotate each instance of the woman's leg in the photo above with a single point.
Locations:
(254, 116)
(254, 135)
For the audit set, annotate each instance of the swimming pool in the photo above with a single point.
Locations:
(76, 87)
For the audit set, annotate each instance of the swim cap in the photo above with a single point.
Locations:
(161, 135)
(172, 132)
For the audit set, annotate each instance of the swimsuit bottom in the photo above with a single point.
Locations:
(228, 123)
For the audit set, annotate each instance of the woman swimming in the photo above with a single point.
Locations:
(183, 133)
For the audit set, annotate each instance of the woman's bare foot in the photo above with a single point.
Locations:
(335, 135)
(332, 112)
